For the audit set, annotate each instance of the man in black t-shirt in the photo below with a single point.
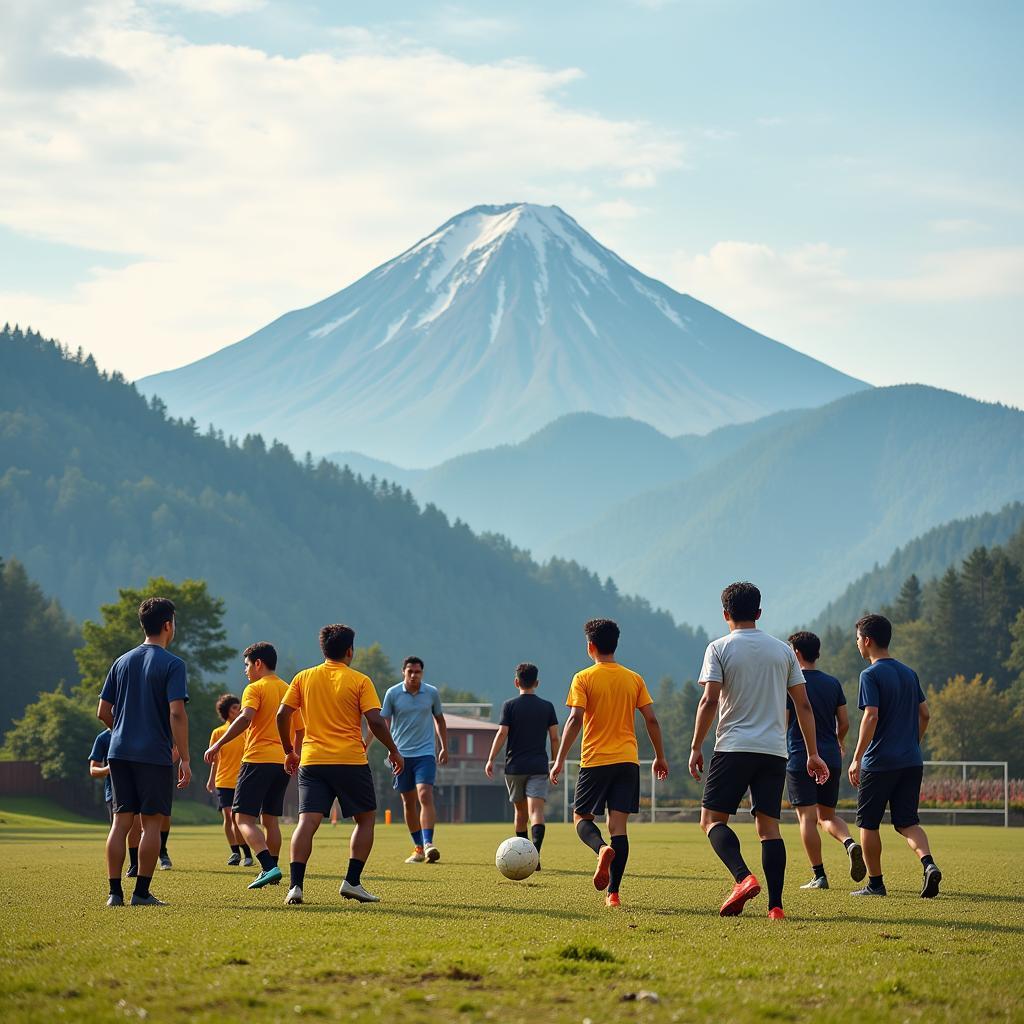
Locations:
(529, 723)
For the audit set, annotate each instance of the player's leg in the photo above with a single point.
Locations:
(149, 851)
(231, 834)
(315, 798)
(619, 841)
(591, 798)
(522, 818)
(426, 775)
(411, 812)
(831, 823)
(773, 858)
(726, 781)
(535, 808)
(119, 829)
(358, 801)
(272, 829)
(872, 798)
(807, 815)
(165, 831)
(134, 838)
(904, 804)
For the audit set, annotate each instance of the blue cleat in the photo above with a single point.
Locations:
(271, 877)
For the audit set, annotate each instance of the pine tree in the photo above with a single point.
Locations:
(908, 604)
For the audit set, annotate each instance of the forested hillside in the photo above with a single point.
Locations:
(100, 489)
(926, 557)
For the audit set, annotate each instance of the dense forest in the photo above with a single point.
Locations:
(100, 490)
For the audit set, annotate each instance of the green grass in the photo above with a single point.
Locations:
(456, 942)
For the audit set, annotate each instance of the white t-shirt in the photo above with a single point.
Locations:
(756, 671)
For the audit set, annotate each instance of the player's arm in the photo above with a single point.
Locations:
(233, 731)
(660, 765)
(499, 741)
(179, 730)
(379, 727)
(842, 727)
(105, 713)
(923, 715)
(98, 770)
(553, 739)
(868, 725)
(284, 730)
(441, 728)
(300, 735)
(707, 708)
(213, 771)
(573, 725)
(816, 768)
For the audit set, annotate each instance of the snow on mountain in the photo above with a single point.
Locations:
(502, 320)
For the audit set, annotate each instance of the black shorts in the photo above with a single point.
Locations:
(804, 791)
(899, 789)
(732, 772)
(225, 798)
(260, 789)
(617, 785)
(141, 788)
(351, 784)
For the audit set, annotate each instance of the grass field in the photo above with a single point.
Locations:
(456, 942)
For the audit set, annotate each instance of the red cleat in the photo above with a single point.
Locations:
(602, 874)
(612, 900)
(776, 914)
(741, 892)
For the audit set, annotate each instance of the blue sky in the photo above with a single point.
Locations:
(845, 178)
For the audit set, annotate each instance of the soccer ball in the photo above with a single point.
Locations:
(516, 858)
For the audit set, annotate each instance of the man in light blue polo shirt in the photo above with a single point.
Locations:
(412, 710)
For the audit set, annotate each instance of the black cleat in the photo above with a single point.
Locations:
(147, 901)
(115, 899)
(870, 890)
(132, 872)
(932, 877)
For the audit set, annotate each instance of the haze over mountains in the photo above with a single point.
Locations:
(499, 322)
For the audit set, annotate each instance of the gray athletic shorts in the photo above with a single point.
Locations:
(521, 786)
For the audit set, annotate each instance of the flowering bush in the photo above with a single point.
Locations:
(982, 794)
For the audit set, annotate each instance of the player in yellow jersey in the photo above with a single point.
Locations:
(334, 699)
(224, 775)
(602, 701)
(262, 780)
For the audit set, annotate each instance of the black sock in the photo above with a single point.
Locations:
(115, 887)
(773, 860)
(620, 844)
(298, 871)
(538, 836)
(266, 861)
(726, 844)
(355, 871)
(163, 842)
(926, 860)
(235, 848)
(590, 834)
(274, 858)
(133, 856)
(522, 835)
(875, 882)
(848, 842)
(142, 885)
(819, 870)
(246, 852)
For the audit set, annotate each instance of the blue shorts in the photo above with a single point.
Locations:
(418, 771)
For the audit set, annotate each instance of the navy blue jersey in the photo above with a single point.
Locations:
(826, 695)
(896, 691)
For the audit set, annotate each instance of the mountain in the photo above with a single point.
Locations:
(804, 509)
(503, 319)
(99, 489)
(927, 557)
(543, 487)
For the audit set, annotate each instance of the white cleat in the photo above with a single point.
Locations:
(294, 897)
(432, 852)
(357, 892)
(418, 857)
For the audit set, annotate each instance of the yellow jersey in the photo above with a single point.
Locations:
(262, 740)
(609, 695)
(229, 758)
(332, 698)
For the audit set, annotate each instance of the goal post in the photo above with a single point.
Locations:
(951, 790)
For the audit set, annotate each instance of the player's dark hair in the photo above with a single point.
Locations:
(526, 673)
(262, 651)
(412, 660)
(741, 601)
(877, 628)
(806, 644)
(154, 612)
(337, 640)
(224, 702)
(603, 634)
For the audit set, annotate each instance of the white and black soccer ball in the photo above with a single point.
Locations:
(516, 858)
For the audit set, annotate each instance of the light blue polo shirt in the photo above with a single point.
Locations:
(412, 718)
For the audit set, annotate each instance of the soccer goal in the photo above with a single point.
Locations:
(648, 789)
(966, 787)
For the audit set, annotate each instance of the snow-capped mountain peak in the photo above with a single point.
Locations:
(498, 322)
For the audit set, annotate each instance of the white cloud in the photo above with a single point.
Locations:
(224, 8)
(958, 226)
(246, 184)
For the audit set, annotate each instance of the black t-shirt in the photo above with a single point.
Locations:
(528, 718)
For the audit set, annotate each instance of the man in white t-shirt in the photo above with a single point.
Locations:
(746, 676)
